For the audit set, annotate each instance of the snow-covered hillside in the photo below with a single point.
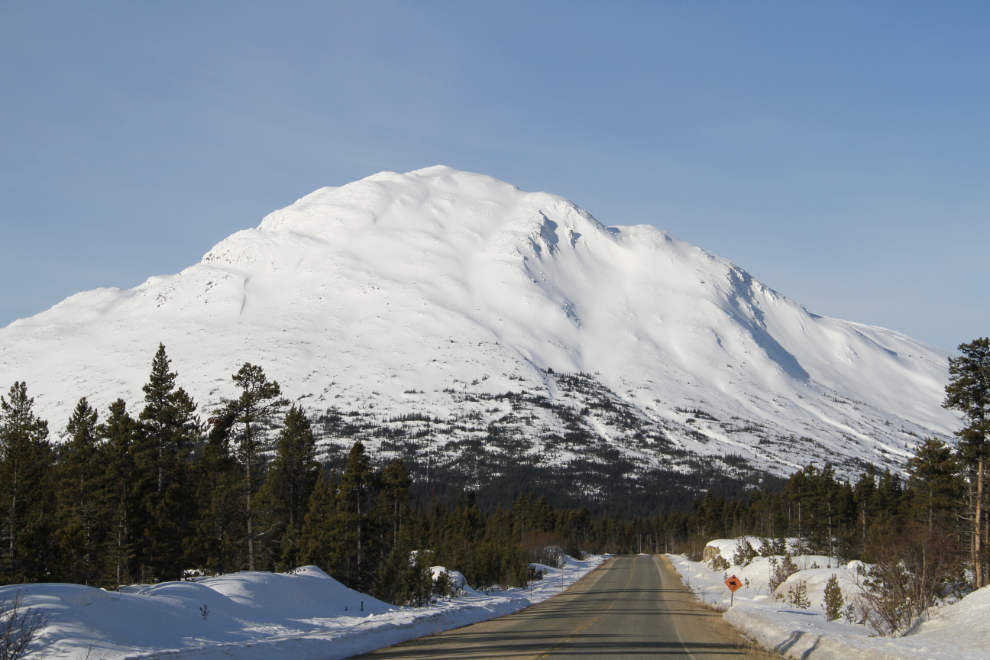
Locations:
(515, 323)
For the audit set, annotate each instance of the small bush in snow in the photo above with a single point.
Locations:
(744, 553)
(18, 626)
(443, 585)
(780, 571)
(833, 599)
(797, 595)
(719, 563)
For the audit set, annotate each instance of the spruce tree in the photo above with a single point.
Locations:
(120, 433)
(258, 401)
(934, 480)
(865, 497)
(322, 536)
(220, 493)
(26, 493)
(357, 490)
(288, 485)
(80, 514)
(169, 430)
(159, 420)
(393, 505)
(395, 544)
(968, 391)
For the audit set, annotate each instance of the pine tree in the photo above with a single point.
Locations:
(322, 536)
(159, 420)
(220, 493)
(169, 430)
(393, 506)
(797, 595)
(258, 402)
(968, 391)
(120, 433)
(26, 494)
(288, 485)
(934, 479)
(80, 514)
(357, 489)
(865, 497)
(834, 601)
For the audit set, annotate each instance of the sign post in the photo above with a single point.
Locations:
(732, 583)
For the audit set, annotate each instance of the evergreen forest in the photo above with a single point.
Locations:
(162, 494)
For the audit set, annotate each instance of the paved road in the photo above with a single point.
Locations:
(632, 607)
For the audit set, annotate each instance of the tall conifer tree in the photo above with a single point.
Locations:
(219, 491)
(259, 400)
(120, 433)
(80, 515)
(322, 536)
(968, 391)
(26, 494)
(393, 505)
(288, 485)
(934, 480)
(169, 430)
(357, 488)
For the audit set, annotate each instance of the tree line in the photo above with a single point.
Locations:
(164, 495)
(925, 532)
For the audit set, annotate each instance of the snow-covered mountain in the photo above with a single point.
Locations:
(449, 312)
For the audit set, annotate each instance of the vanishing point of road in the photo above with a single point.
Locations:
(631, 607)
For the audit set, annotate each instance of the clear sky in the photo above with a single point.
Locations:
(839, 152)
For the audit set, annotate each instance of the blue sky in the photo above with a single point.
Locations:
(839, 152)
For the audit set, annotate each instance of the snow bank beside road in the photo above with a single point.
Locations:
(305, 614)
(958, 631)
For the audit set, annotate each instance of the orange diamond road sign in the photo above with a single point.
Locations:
(733, 583)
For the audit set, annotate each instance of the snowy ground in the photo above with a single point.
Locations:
(302, 615)
(957, 631)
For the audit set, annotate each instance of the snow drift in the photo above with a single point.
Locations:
(954, 631)
(303, 614)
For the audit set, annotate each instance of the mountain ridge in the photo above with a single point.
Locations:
(454, 285)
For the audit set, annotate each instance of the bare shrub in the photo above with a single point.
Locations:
(18, 626)
(884, 602)
(544, 548)
(911, 570)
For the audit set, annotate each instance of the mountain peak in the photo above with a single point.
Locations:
(430, 292)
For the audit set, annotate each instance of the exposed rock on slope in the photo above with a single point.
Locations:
(524, 330)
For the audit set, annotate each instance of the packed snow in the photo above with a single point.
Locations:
(954, 632)
(416, 293)
(302, 614)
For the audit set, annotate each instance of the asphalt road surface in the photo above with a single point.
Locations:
(631, 607)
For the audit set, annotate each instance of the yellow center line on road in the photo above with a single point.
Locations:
(577, 631)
